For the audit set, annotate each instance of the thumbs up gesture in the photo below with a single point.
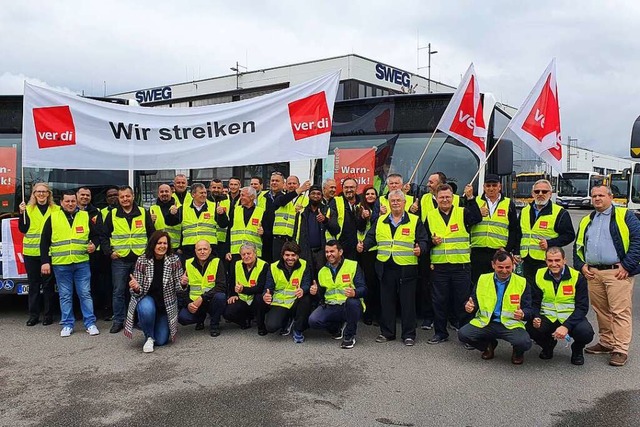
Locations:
(239, 288)
(360, 246)
(518, 314)
(484, 210)
(314, 288)
(173, 210)
(469, 306)
(436, 240)
(154, 217)
(260, 229)
(414, 207)
(220, 209)
(416, 249)
(184, 280)
(267, 298)
(133, 284)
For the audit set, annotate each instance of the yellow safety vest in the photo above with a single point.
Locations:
(426, 205)
(284, 294)
(199, 284)
(303, 201)
(105, 213)
(543, 228)
(31, 239)
(174, 231)
(69, 242)
(241, 233)
(363, 234)
(400, 245)
(493, 231)
(488, 297)
(455, 247)
(619, 214)
(334, 294)
(340, 212)
(384, 201)
(253, 278)
(188, 198)
(380, 185)
(226, 204)
(261, 199)
(195, 228)
(557, 306)
(126, 239)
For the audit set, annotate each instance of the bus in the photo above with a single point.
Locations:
(574, 188)
(522, 186)
(619, 185)
(399, 126)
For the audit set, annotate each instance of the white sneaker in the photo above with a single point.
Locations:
(148, 346)
(93, 330)
(66, 331)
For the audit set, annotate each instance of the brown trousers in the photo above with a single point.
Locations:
(611, 300)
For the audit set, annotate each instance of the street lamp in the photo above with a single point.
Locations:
(430, 52)
(237, 70)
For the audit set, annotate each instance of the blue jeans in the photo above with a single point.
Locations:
(331, 317)
(153, 325)
(120, 270)
(79, 275)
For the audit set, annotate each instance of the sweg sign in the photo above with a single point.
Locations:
(150, 95)
(393, 75)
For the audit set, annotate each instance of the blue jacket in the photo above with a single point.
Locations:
(630, 260)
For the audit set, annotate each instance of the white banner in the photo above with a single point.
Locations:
(12, 258)
(67, 131)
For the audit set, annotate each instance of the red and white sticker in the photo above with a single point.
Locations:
(295, 282)
(514, 298)
(252, 282)
(405, 231)
(453, 227)
(79, 229)
(138, 223)
(346, 278)
(255, 221)
(211, 278)
(207, 215)
(502, 212)
(567, 290)
(544, 224)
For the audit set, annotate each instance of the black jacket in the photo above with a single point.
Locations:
(330, 224)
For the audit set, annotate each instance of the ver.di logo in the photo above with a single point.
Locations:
(54, 126)
(309, 116)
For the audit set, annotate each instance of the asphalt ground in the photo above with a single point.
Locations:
(242, 379)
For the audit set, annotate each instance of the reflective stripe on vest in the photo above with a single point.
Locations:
(31, 239)
(426, 205)
(174, 231)
(493, 231)
(619, 214)
(384, 201)
(400, 245)
(69, 242)
(488, 297)
(195, 228)
(543, 228)
(241, 233)
(253, 278)
(561, 304)
(455, 247)
(200, 284)
(334, 294)
(284, 294)
(126, 239)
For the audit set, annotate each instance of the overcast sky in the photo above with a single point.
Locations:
(78, 45)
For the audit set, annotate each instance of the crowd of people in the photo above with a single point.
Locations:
(299, 256)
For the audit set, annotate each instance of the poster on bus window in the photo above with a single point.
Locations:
(356, 163)
(8, 158)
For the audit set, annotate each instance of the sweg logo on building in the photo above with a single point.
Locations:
(309, 116)
(54, 126)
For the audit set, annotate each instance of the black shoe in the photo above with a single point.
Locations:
(348, 343)
(108, 318)
(367, 322)
(262, 332)
(246, 325)
(577, 357)
(32, 322)
(409, 342)
(427, 324)
(469, 347)
(547, 352)
(199, 326)
(437, 339)
(381, 338)
(115, 328)
(215, 332)
(48, 320)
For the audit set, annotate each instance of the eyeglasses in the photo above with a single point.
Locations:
(540, 191)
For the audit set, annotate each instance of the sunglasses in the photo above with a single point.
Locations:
(540, 191)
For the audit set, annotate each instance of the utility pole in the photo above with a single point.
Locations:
(429, 53)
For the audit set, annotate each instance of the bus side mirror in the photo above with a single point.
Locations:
(502, 158)
(635, 139)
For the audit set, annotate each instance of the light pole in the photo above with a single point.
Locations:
(237, 70)
(430, 52)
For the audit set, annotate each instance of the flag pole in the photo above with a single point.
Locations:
(486, 159)
(415, 170)
(24, 214)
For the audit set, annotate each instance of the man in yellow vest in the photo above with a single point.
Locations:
(68, 237)
(341, 286)
(449, 228)
(499, 228)
(607, 252)
(394, 182)
(502, 304)
(349, 219)
(181, 194)
(207, 289)
(400, 237)
(257, 184)
(246, 226)
(200, 220)
(127, 229)
(219, 198)
(163, 215)
(560, 306)
(543, 224)
(287, 292)
(246, 284)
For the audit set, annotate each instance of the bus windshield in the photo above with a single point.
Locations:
(619, 186)
(574, 184)
(524, 184)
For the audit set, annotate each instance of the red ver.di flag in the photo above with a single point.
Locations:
(537, 122)
(464, 117)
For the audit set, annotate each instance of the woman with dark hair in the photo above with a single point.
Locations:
(154, 283)
(370, 213)
(33, 215)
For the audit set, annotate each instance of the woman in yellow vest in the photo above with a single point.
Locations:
(32, 218)
(502, 304)
(246, 284)
(155, 280)
(369, 211)
(287, 293)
